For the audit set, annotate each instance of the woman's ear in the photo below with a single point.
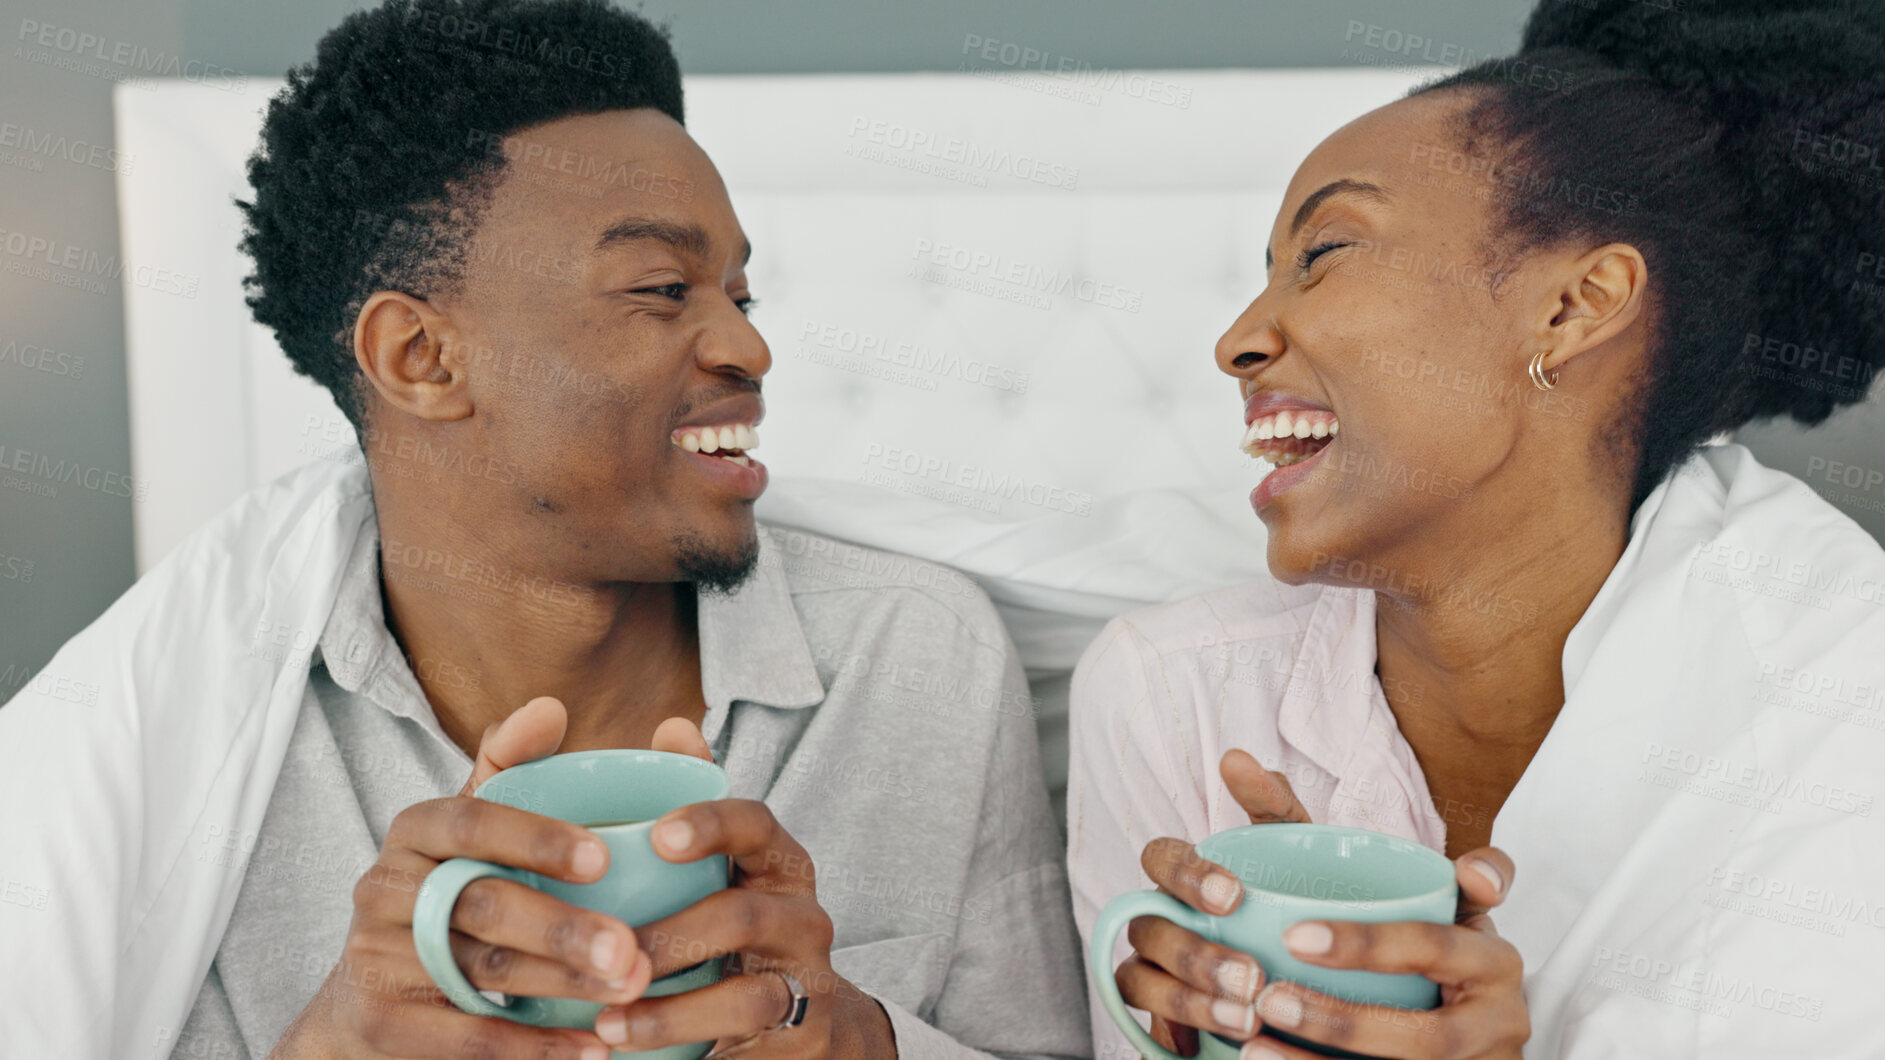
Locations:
(401, 344)
(1600, 295)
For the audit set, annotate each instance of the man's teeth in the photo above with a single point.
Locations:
(1288, 429)
(728, 441)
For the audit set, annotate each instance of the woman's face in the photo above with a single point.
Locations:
(1379, 337)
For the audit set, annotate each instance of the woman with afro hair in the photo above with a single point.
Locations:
(1530, 605)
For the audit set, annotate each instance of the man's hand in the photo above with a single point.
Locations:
(769, 919)
(379, 1001)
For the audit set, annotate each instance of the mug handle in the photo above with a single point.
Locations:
(1118, 913)
(432, 925)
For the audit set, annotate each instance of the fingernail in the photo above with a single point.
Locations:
(1491, 874)
(595, 1052)
(590, 858)
(1309, 938)
(1234, 1017)
(1219, 891)
(602, 952)
(1238, 979)
(677, 836)
(1258, 1051)
(1279, 1009)
(611, 1027)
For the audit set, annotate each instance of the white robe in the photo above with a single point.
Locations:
(156, 731)
(1699, 844)
(1699, 839)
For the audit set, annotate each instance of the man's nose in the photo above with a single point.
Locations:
(733, 346)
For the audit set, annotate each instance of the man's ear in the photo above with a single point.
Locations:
(1601, 295)
(401, 345)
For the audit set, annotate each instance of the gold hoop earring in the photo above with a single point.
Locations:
(1537, 372)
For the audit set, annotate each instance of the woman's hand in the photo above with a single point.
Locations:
(1184, 981)
(770, 918)
(379, 1001)
(1482, 1010)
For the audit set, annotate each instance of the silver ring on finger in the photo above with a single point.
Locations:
(797, 1006)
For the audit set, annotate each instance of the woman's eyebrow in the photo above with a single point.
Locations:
(1327, 191)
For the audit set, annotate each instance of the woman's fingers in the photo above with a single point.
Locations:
(514, 921)
(1445, 953)
(1265, 796)
(1371, 1030)
(1474, 1027)
(1485, 878)
(1200, 964)
(1174, 865)
(1482, 976)
(1146, 986)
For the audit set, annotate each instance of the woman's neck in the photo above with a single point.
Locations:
(1472, 665)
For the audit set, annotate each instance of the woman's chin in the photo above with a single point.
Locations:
(1290, 563)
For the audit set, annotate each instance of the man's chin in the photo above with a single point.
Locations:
(716, 567)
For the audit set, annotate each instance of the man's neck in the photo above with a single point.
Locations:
(483, 640)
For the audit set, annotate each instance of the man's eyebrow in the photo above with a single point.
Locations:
(1322, 194)
(683, 236)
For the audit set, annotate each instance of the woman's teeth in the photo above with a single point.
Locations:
(727, 441)
(1290, 436)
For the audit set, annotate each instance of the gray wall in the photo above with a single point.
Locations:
(63, 558)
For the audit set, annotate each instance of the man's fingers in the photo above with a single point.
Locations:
(1146, 986)
(681, 737)
(1446, 953)
(1177, 1037)
(1174, 865)
(1196, 962)
(734, 1007)
(1485, 878)
(489, 831)
(425, 1032)
(522, 974)
(1265, 796)
(736, 920)
(744, 830)
(533, 731)
(516, 918)
(1278, 1047)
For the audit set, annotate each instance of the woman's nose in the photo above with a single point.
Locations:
(1252, 340)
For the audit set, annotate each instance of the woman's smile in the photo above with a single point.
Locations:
(1290, 434)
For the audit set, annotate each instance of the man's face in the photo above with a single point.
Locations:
(601, 330)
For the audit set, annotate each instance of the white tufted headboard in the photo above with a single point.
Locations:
(991, 303)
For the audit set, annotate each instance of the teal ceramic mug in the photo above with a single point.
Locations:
(618, 795)
(1291, 873)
